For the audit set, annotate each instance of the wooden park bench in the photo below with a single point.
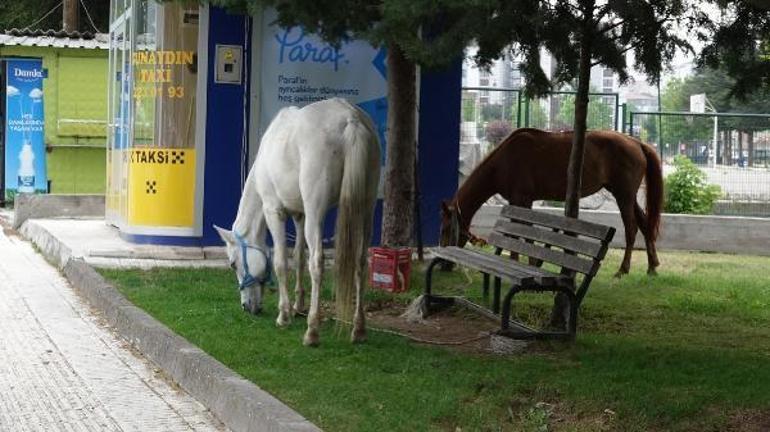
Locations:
(573, 246)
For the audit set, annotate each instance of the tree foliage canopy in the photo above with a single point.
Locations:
(615, 27)
(449, 24)
(522, 27)
(741, 45)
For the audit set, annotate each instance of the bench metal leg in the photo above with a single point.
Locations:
(429, 298)
(485, 291)
(505, 318)
(496, 296)
(429, 275)
(574, 304)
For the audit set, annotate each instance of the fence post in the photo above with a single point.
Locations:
(518, 110)
(526, 112)
(617, 111)
(623, 118)
(631, 123)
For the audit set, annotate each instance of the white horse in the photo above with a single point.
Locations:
(309, 159)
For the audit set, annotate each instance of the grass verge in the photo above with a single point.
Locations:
(688, 350)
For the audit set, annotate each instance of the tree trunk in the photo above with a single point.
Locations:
(740, 147)
(575, 168)
(750, 145)
(560, 311)
(398, 205)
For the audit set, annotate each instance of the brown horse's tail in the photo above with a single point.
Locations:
(654, 180)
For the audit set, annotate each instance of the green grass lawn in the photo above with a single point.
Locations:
(687, 350)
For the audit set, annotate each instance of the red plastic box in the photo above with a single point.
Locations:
(389, 268)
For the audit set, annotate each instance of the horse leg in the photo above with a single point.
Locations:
(276, 222)
(299, 262)
(626, 206)
(514, 256)
(314, 237)
(652, 254)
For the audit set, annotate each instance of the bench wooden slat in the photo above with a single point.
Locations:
(577, 226)
(571, 262)
(542, 275)
(496, 265)
(470, 259)
(579, 245)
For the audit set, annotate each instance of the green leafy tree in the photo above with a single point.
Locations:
(676, 97)
(580, 34)
(717, 85)
(740, 45)
(492, 112)
(469, 109)
(538, 115)
(600, 113)
(687, 190)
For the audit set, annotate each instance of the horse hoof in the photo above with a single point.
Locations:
(620, 274)
(283, 320)
(251, 308)
(298, 310)
(358, 336)
(311, 339)
(652, 272)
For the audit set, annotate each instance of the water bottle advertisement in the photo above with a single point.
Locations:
(25, 169)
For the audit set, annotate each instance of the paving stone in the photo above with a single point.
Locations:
(62, 370)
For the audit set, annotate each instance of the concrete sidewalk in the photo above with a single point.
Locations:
(61, 369)
(100, 245)
(75, 246)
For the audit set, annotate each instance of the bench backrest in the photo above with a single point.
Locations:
(572, 244)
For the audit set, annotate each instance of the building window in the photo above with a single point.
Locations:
(608, 80)
(165, 75)
(516, 77)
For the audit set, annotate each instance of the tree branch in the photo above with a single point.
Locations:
(604, 10)
(612, 26)
(623, 51)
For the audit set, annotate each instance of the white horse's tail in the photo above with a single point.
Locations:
(355, 212)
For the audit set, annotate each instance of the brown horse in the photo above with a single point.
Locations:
(531, 164)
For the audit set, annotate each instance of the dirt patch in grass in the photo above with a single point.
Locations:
(749, 421)
(456, 328)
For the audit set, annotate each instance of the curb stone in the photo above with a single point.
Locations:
(237, 402)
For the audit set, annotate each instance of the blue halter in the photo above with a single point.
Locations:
(249, 279)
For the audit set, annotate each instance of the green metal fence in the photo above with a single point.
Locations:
(489, 114)
(732, 149)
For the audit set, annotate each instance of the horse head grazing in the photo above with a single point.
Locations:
(252, 268)
(451, 233)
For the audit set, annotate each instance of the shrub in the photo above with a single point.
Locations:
(687, 190)
(497, 130)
